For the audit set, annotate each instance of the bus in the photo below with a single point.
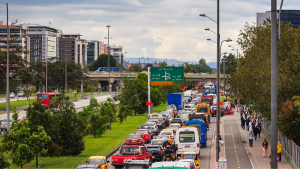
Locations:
(105, 69)
(45, 98)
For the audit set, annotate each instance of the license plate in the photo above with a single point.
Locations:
(153, 156)
(187, 146)
(133, 141)
(173, 155)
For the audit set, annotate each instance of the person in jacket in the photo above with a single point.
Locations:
(255, 132)
(250, 136)
(259, 130)
(247, 124)
(243, 123)
(265, 148)
(279, 150)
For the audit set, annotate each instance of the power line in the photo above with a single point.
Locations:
(3, 3)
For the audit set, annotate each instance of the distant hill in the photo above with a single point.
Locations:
(169, 61)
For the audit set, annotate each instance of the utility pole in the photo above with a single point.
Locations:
(237, 100)
(46, 74)
(82, 76)
(218, 84)
(66, 75)
(108, 60)
(224, 75)
(274, 132)
(7, 70)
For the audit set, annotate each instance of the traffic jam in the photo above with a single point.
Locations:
(172, 138)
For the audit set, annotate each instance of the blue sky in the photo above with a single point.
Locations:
(161, 29)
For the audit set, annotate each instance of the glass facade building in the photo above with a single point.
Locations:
(292, 16)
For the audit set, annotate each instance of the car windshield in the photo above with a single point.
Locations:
(202, 109)
(186, 136)
(145, 127)
(157, 142)
(42, 96)
(152, 123)
(129, 150)
(134, 136)
(189, 156)
(141, 132)
(154, 115)
(163, 137)
(97, 161)
(176, 121)
(5, 120)
(174, 127)
(166, 132)
(156, 148)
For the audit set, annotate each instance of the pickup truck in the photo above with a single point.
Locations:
(130, 152)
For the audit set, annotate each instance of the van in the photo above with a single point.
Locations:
(203, 108)
(171, 165)
(201, 126)
(187, 139)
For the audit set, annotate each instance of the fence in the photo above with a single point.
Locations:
(288, 146)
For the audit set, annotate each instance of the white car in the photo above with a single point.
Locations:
(11, 95)
(170, 133)
(192, 162)
(154, 126)
(21, 94)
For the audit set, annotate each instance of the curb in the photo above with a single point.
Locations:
(113, 151)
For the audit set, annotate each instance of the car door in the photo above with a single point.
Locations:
(147, 154)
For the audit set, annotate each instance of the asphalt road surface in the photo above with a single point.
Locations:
(204, 152)
(236, 154)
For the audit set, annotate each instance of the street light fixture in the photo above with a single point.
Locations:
(207, 29)
(108, 60)
(211, 40)
(203, 15)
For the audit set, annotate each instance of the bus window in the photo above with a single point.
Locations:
(42, 96)
(187, 136)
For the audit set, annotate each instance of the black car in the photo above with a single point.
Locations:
(156, 151)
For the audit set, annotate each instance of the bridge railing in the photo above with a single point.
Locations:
(136, 73)
(288, 146)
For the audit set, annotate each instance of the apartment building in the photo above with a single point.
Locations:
(94, 49)
(18, 39)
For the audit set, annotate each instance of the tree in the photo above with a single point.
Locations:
(163, 64)
(102, 62)
(38, 142)
(135, 68)
(230, 64)
(97, 127)
(3, 160)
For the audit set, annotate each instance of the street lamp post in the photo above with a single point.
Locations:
(108, 60)
(237, 70)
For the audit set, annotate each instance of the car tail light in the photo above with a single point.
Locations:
(126, 140)
(140, 140)
(155, 126)
(194, 167)
(105, 167)
(159, 152)
(173, 153)
(198, 144)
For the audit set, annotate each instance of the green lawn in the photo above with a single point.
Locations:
(14, 104)
(160, 108)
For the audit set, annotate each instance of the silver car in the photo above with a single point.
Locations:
(11, 95)
(3, 124)
(21, 94)
(154, 126)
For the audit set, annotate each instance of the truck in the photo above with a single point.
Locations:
(187, 93)
(176, 99)
(130, 152)
(203, 108)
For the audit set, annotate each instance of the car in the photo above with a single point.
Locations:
(3, 125)
(193, 156)
(148, 127)
(89, 166)
(12, 95)
(100, 160)
(130, 152)
(169, 132)
(166, 137)
(134, 139)
(154, 127)
(184, 117)
(192, 162)
(174, 127)
(21, 94)
(159, 142)
(178, 121)
(145, 134)
(136, 164)
(156, 151)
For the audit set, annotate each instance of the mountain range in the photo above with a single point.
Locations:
(170, 62)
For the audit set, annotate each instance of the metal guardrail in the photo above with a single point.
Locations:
(288, 146)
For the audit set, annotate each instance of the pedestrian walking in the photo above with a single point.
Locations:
(243, 123)
(250, 136)
(75, 95)
(259, 131)
(265, 148)
(250, 125)
(246, 113)
(279, 150)
(247, 124)
(255, 132)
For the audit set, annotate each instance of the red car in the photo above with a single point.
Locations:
(145, 134)
(134, 139)
(130, 152)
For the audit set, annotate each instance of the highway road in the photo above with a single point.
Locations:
(78, 105)
(204, 152)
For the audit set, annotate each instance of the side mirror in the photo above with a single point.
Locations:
(87, 162)
(108, 161)
(197, 165)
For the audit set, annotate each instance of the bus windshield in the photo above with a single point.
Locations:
(198, 126)
(187, 136)
(42, 96)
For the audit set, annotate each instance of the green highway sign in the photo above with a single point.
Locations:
(167, 74)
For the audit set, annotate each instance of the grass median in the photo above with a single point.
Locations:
(16, 104)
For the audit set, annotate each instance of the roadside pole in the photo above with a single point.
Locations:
(149, 99)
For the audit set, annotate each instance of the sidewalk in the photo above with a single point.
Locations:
(255, 153)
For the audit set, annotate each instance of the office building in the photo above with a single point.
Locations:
(72, 48)
(292, 16)
(94, 49)
(116, 52)
(18, 39)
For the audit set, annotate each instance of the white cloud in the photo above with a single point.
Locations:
(144, 50)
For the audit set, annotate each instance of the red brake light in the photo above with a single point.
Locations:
(126, 140)
(198, 144)
(140, 140)
(105, 167)
(173, 153)
(159, 152)
(194, 167)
